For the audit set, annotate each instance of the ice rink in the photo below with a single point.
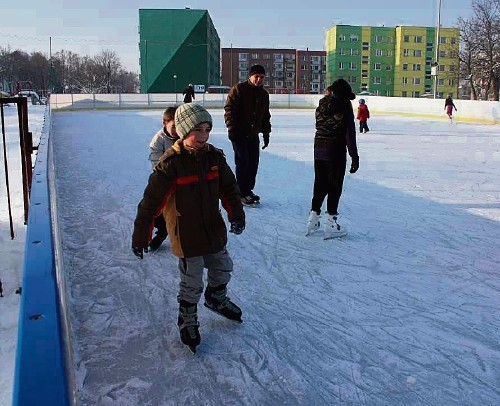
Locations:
(401, 311)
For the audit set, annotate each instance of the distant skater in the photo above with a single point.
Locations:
(449, 106)
(363, 116)
(1, 288)
(188, 93)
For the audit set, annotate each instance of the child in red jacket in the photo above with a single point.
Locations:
(363, 116)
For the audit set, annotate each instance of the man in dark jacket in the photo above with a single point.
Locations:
(246, 115)
(335, 135)
(188, 94)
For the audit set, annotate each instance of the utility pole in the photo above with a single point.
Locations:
(435, 68)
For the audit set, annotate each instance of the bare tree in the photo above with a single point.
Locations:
(480, 51)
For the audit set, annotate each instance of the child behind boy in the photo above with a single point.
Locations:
(187, 185)
(363, 116)
(162, 141)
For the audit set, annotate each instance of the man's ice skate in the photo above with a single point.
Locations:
(216, 300)
(249, 201)
(312, 222)
(188, 325)
(332, 228)
(256, 198)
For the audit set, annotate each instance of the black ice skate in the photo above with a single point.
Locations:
(188, 325)
(216, 300)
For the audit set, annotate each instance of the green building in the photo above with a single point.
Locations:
(177, 47)
(393, 61)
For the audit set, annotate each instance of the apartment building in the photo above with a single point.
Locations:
(287, 70)
(394, 61)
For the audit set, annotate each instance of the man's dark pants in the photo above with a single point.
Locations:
(246, 159)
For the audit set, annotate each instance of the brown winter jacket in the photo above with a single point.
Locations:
(247, 110)
(188, 186)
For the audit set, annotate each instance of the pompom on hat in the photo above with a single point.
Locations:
(342, 89)
(188, 116)
(257, 70)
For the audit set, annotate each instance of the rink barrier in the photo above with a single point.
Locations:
(44, 371)
(471, 111)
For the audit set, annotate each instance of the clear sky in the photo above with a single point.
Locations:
(89, 26)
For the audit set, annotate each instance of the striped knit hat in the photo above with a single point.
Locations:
(188, 116)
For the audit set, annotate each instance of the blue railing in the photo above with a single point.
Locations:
(44, 368)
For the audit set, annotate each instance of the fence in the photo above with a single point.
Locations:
(485, 112)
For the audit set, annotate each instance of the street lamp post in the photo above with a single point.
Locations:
(175, 87)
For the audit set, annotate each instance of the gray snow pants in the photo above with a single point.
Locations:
(219, 265)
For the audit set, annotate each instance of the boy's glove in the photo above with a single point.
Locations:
(237, 227)
(266, 140)
(354, 166)
(138, 251)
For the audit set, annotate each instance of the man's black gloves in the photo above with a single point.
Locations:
(237, 227)
(138, 252)
(266, 140)
(354, 166)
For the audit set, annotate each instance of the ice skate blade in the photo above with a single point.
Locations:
(220, 314)
(336, 235)
(192, 348)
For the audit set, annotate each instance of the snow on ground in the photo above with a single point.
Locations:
(404, 310)
(11, 251)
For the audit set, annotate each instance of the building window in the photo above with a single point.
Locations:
(354, 38)
(441, 68)
(377, 80)
(377, 66)
(405, 81)
(442, 40)
(379, 52)
(451, 82)
(388, 67)
(278, 57)
(255, 56)
(366, 46)
(390, 52)
(243, 74)
(417, 53)
(342, 37)
(418, 38)
(243, 66)
(266, 56)
(303, 67)
(453, 41)
(442, 54)
(315, 59)
(341, 65)
(404, 93)
(242, 57)
(354, 52)
(378, 38)
(353, 65)
(406, 38)
(388, 81)
(278, 83)
(315, 68)
(415, 94)
(452, 68)
(417, 67)
(406, 52)
(278, 66)
(416, 81)
(440, 82)
(342, 51)
(405, 66)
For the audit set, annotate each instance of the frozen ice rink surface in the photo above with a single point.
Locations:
(402, 311)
